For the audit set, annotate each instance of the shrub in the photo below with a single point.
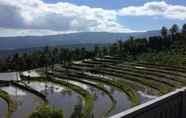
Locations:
(44, 111)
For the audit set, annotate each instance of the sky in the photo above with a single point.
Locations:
(46, 17)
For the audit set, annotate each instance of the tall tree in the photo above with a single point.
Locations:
(184, 30)
(164, 32)
(120, 47)
(105, 51)
(114, 49)
(174, 29)
(97, 51)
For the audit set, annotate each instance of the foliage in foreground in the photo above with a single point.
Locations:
(44, 111)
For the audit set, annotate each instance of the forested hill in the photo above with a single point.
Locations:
(21, 42)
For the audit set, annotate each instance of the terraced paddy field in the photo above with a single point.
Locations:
(99, 87)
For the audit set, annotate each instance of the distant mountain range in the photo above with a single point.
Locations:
(83, 38)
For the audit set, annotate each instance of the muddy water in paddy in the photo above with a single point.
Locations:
(26, 102)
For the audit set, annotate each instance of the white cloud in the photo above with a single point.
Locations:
(28, 17)
(155, 9)
(59, 17)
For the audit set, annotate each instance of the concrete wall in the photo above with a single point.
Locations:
(172, 105)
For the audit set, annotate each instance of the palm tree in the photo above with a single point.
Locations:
(105, 51)
(83, 53)
(96, 51)
(164, 32)
(184, 30)
(54, 57)
(174, 29)
(120, 44)
(114, 49)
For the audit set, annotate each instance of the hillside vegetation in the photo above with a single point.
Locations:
(169, 48)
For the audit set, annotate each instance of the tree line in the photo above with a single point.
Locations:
(171, 41)
(42, 58)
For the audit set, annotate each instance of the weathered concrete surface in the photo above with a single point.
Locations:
(172, 105)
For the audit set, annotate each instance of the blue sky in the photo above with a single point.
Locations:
(137, 23)
(114, 4)
(43, 17)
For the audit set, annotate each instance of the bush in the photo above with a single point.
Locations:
(45, 111)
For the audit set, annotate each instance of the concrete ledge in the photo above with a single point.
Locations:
(161, 104)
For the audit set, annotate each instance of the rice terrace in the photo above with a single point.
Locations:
(98, 87)
(92, 59)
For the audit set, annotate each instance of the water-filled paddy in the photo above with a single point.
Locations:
(57, 96)
(66, 99)
(25, 101)
(102, 102)
(3, 108)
